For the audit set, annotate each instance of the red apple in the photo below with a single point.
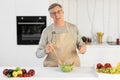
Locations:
(5, 72)
(107, 65)
(99, 66)
(24, 71)
(31, 72)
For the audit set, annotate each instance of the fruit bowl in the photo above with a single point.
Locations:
(107, 69)
(66, 67)
(18, 72)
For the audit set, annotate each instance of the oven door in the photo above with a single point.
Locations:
(29, 32)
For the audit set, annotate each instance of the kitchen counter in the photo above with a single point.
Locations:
(95, 53)
(54, 73)
(104, 44)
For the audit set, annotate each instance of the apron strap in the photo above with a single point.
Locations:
(70, 33)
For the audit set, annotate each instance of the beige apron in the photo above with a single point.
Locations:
(66, 50)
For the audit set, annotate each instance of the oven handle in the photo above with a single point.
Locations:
(31, 23)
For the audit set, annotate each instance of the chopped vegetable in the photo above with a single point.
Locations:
(66, 67)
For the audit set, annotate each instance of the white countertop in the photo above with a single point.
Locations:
(54, 73)
(104, 44)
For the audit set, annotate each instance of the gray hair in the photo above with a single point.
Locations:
(54, 5)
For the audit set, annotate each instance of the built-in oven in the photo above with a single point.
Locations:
(29, 29)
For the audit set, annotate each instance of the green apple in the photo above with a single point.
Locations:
(17, 68)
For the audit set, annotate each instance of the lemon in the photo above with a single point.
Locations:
(118, 65)
(14, 74)
(19, 72)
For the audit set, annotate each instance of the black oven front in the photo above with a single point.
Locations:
(29, 29)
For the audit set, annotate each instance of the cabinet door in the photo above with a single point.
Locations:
(31, 7)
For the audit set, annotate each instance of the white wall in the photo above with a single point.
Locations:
(12, 54)
(100, 54)
(103, 14)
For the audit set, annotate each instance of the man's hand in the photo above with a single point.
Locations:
(49, 48)
(82, 49)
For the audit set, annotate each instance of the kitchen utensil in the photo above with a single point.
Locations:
(53, 41)
(59, 61)
(100, 36)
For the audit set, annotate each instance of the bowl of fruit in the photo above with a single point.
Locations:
(18, 72)
(66, 67)
(107, 68)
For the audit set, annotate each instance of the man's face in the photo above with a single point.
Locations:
(56, 13)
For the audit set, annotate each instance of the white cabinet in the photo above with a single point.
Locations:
(100, 53)
(31, 7)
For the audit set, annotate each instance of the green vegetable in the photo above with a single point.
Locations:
(66, 67)
(9, 75)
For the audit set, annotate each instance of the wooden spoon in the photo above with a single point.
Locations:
(59, 61)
